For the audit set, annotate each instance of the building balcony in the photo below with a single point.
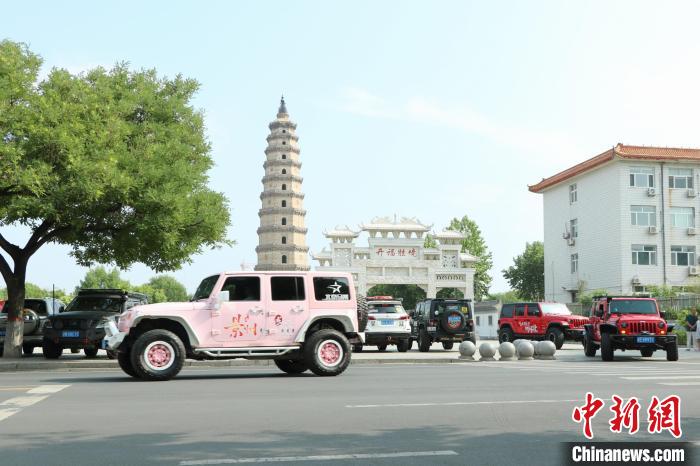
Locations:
(280, 193)
(281, 248)
(280, 177)
(282, 229)
(282, 137)
(281, 211)
(282, 163)
(281, 149)
(285, 124)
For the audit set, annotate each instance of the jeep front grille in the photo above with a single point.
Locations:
(639, 327)
(578, 322)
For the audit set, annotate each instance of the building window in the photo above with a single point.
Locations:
(680, 178)
(283, 143)
(574, 263)
(284, 220)
(683, 217)
(284, 240)
(478, 320)
(643, 215)
(643, 254)
(284, 131)
(573, 225)
(284, 259)
(284, 171)
(284, 187)
(573, 193)
(284, 203)
(490, 321)
(682, 255)
(642, 177)
(284, 156)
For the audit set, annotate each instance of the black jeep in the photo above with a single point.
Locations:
(444, 320)
(81, 325)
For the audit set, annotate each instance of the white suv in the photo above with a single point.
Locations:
(387, 324)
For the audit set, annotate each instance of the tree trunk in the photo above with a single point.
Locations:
(14, 305)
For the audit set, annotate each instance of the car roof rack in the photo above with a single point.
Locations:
(609, 297)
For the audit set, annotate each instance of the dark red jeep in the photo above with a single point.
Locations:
(628, 322)
(539, 321)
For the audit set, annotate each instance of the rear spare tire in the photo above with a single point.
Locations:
(157, 355)
(452, 321)
(327, 352)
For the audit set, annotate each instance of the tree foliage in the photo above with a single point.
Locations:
(526, 276)
(111, 163)
(410, 294)
(164, 288)
(474, 244)
(506, 297)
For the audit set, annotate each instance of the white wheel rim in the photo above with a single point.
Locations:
(159, 355)
(329, 353)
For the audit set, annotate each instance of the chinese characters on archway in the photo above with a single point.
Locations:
(395, 252)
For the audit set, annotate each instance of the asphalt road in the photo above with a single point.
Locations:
(388, 414)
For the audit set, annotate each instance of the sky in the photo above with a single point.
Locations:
(427, 109)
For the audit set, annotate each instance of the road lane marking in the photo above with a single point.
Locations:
(662, 376)
(677, 384)
(15, 389)
(50, 389)
(353, 456)
(36, 394)
(459, 403)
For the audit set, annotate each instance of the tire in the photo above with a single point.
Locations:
(445, 322)
(124, 360)
(556, 336)
(606, 348)
(157, 355)
(589, 348)
(362, 312)
(90, 352)
(672, 351)
(51, 350)
(381, 347)
(403, 345)
(647, 352)
(291, 366)
(327, 352)
(448, 345)
(505, 334)
(423, 341)
(27, 349)
(357, 348)
(111, 354)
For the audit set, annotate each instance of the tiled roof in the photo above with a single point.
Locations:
(621, 151)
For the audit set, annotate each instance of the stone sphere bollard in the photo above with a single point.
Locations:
(525, 350)
(507, 351)
(545, 350)
(487, 351)
(467, 350)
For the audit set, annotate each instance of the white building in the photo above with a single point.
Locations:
(620, 221)
(486, 319)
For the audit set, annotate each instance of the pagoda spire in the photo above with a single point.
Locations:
(283, 107)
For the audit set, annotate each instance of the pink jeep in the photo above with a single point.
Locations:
(302, 320)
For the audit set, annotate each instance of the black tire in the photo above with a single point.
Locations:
(448, 345)
(171, 348)
(362, 312)
(381, 347)
(403, 345)
(291, 366)
(505, 334)
(589, 348)
(27, 349)
(90, 352)
(606, 348)
(111, 354)
(51, 350)
(556, 336)
(338, 346)
(647, 352)
(124, 360)
(445, 322)
(423, 341)
(672, 351)
(357, 348)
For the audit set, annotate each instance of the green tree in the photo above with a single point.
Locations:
(410, 294)
(164, 288)
(430, 242)
(474, 244)
(111, 163)
(449, 293)
(526, 276)
(506, 297)
(99, 277)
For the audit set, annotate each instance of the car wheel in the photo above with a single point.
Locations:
(291, 366)
(90, 352)
(51, 350)
(672, 351)
(362, 313)
(589, 348)
(505, 334)
(327, 352)
(556, 336)
(448, 345)
(423, 341)
(28, 350)
(124, 360)
(606, 348)
(403, 345)
(111, 354)
(356, 348)
(381, 347)
(647, 352)
(157, 355)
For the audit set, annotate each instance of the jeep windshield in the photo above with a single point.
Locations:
(385, 308)
(442, 307)
(205, 288)
(555, 309)
(96, 303)
(632, 306)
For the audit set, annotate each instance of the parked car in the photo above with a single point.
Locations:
(34, 315)
(388, 324)
(628, 323)
(540, 321)
(301, 320)
(444, 320)
(81, 325)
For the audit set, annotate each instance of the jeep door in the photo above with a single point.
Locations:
(288, 309)
(520, 320)
(535, 319)
(241, 319)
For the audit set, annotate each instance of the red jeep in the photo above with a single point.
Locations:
(628, 322)
(539, 321)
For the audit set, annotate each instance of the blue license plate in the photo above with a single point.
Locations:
(646, 339)
(2, 333)
(70, 334)
(387, 322)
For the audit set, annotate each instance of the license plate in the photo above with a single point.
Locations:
(646, 339)
(2, 333)
(432, 329)
(70, 334)
(387, 322)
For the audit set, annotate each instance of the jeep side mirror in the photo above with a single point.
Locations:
(222, 297)
(662, 314)
(61, 309)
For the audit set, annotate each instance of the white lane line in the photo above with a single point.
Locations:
(677, 384)
(460, 403)
(16, 404)
(662, 376)
(354, 456)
